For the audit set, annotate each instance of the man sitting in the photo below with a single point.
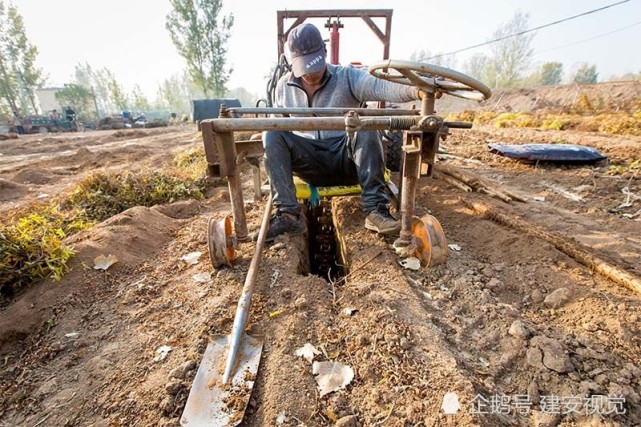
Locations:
(328, 158)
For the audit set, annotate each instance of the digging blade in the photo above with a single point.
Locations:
(212, 403)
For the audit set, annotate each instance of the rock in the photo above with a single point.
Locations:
(167, 406)
(494, 284)
(181, 371)
(542, 419)
(558, 298)
(173, 387)
(362, 340)
(601, 379)
(301, 302)
(554, 356)
(405, 343)
(534, 358)
(48, 387)
(537, 296)
(348, 421)
(488, 271)
(518, 330)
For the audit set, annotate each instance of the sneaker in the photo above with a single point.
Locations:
(282, 223)
(381, 221)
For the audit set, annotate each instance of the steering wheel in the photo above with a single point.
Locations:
(431, 78)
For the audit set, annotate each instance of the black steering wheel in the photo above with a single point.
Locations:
(431, 78)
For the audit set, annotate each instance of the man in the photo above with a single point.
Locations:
(327, 158)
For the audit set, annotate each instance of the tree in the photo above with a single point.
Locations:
(108, 92)
(511, 57)
(423, 55)
(117, 94)
(200, 38)
(479, 67)
(19, 77)
(246, 98)
(176, 93)
(585, 74)
(551, 73)
(76, 96)
(140, 102)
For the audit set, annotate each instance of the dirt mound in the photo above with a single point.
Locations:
(611, 96)
(11, 190)
(33, 176)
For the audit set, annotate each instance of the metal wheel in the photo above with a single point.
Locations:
(430, 241)
(221, 242)
(432, 78)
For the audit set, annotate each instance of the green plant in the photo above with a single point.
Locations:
(32, 248)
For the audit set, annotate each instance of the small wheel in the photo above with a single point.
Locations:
(43, 129)
(430, 240)
(221, 242)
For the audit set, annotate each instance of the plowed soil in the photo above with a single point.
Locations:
(516, 330)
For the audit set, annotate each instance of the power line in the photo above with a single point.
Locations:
(590, 38)
(530, 30)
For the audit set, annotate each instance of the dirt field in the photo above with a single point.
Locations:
(517, 329)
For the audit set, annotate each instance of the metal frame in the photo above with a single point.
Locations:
(223, 154)
(301, 15)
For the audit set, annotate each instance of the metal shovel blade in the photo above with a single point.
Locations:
(212, 403)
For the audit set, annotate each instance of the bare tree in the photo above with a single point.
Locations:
(200, 36)
(511, 56)
(19, 77)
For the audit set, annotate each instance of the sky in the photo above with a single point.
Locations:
(129, 37)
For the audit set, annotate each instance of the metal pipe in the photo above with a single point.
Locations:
(318, 123)
(302, 123)
(237, 331)
(325, 111)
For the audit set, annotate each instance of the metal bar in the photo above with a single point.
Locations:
(246, 296)
(325, 111)
(339, 13)
(229, 169)
(211, 154)
(309, 123)
(411, 173)
(374, 28)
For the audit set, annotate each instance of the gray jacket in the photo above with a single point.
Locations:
(342, 86)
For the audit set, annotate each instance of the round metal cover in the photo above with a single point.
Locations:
(221, 242)
(430, 240)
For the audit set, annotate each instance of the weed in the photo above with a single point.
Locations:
(31, 239)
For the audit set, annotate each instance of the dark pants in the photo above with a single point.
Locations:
(323, 163)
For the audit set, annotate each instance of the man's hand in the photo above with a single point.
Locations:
(422, 94)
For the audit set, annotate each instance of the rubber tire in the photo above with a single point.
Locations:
(394, 151)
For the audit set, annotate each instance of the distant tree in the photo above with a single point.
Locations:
(586, 74)
(479, 67)
(19, 77)
(511, 57)
(200, 36)
(76, 96)
(625, 77)
(551, 73)
(140, 101)
(423, 55)
(116, 93)
(176, 93)
(109, 95)
(246, 98)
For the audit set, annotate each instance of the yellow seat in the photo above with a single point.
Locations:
(304, 190)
